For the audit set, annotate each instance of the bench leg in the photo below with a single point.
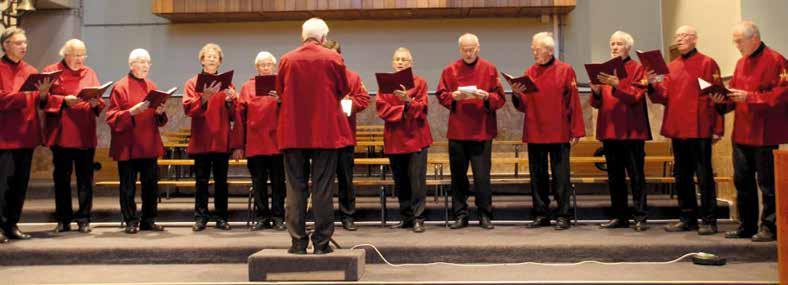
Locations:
(445, 206)
(383, 205)
(574, 202)
(250, 207)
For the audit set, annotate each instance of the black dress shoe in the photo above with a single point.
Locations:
(14, 233)
(84, 227)
(681, 227)
(297, 249)
(260, 225)
(486, 224)
(418, 227)
(151, 227)
(403, 225)
(539, 222)
(62, 227)
(3, 239)
(223, 225)
(323, 249)
(349, 225)
(279, 225)
(707, 229)
(615, 224)
(199, 226)
(131, 229)
(764, 235)
(459, 223)
(739, 233)
(562, 224)
(641, 226)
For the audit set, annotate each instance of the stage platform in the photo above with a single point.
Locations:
(178, 254)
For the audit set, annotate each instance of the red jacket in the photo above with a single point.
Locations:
(20, 125)
(622, 110)
(75, 126)
(471, 119)
(552, 113)
(406, 128)
(133, 137)
(688, 113)
(311, 82)
(255, 122)
(762, 120)
(210, 129)
(358, 94)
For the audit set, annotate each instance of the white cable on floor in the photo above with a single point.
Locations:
(523, 263)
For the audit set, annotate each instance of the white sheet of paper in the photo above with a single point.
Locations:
(347, 106)
(703, 83)
(470, 89)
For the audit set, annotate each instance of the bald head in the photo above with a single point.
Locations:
(685, 39)
(746, 37)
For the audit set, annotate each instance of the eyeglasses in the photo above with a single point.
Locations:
(18, 43)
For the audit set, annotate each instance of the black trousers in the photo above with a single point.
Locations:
(14, 177)
(410, 183)
(693, 157)
(478, 154)
(66, 161)
(345, 190)
(626, 158)
(262, 167)
(747, 162)
(299, 164)
(558, 155)
(203, 164)
(148, 173)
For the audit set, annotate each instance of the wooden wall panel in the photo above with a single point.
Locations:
(273, 10)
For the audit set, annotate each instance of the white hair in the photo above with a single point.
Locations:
(71, 45)
(138, 54)
(748, 29)
(545, 39)
(314, 28)
(688, 30)
(264, 55)
(468, 36)
(627, 38)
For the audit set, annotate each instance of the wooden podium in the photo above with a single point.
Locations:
(781, 179)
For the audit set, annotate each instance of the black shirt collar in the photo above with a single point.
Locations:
(759, 50)
(690, 53)
(549, 62)
(8, 60)
(626, 59)
(203, 72)
(472, 63)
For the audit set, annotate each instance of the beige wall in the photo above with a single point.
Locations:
(714, 20)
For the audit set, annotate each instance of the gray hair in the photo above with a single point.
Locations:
(314, 28)
(405, 50)
(545, 39)
(71, 45)
(138, 54)
(468, 36)
(627, 38)
(748, 29)
(9, 33)
(264, 55)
